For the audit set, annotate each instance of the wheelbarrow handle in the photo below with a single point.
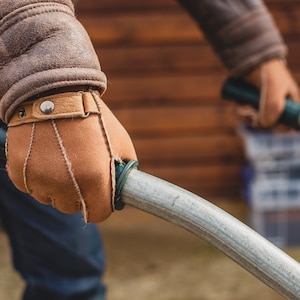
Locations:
(200, 217)
(244, 93)
(3, 129)
(236, 240)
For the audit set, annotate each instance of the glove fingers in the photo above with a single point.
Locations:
(43, 166)
(119, 139)
(271, 101)
(294, 93)
(91, 165)
(16, 155)
(275, 83)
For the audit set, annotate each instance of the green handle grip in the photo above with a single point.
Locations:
(3, 129)
(244, 93)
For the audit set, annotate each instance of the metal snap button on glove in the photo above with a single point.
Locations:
(47, 107)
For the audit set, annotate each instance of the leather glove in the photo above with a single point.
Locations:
(275, 83)
(62, 149)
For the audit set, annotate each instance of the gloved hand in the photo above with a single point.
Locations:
(61, 150)
(275, 83)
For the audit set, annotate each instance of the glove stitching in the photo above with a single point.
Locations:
(109, 146)
(70, 171)
(27, 159)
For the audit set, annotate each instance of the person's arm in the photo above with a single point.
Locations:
(242, 33)
(246, 39)
(62, 140)
(43, 47)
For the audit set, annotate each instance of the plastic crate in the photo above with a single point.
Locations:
(275, 194)
(284, 169)
(279, 227)
(267, 145)
(272, 184)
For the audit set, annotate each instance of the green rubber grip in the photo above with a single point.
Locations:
(244, 93)
(3, 129)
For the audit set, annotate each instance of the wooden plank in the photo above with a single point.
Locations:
(124, 5)
(127, 61)
(156, 59)
(161, 88)
(176, 121)
(200, 178)
(288, 21)
(162, 27)
(194, 174)
(293, 56)
(156, 28)
(176, 150)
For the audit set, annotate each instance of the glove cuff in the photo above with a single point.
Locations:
(65, 105)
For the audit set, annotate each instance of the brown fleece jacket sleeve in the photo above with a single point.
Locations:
(43, 47)
(242, 33)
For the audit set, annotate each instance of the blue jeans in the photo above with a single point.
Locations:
(58, 255)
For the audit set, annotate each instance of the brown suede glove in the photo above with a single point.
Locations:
(275, 83)
(61, 150)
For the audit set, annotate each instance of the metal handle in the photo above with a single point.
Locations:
(3, 129)
(200, 217)
(244, 93)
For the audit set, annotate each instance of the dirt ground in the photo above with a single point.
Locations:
(148, 258)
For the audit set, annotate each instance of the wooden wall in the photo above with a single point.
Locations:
(164, 86)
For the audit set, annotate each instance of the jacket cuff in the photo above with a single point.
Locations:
(43, 47)
(248, 41)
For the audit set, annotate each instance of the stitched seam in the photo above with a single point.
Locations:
(27, 158)
(6, 145)
(17, 14)
(109, 146)
(263, 97)
(102, 124)
(70, 171)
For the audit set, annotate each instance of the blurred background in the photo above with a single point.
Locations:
(164, 87)
(165, 84)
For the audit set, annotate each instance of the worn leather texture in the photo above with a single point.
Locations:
(275, 83)
(65, 105)
(43, 47)
(242, 33)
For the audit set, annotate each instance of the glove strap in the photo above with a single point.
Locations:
(65, 105)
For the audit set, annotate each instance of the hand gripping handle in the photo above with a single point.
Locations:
(244, 93)
(200, 217)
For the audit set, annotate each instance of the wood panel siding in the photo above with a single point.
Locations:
(164, 85)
